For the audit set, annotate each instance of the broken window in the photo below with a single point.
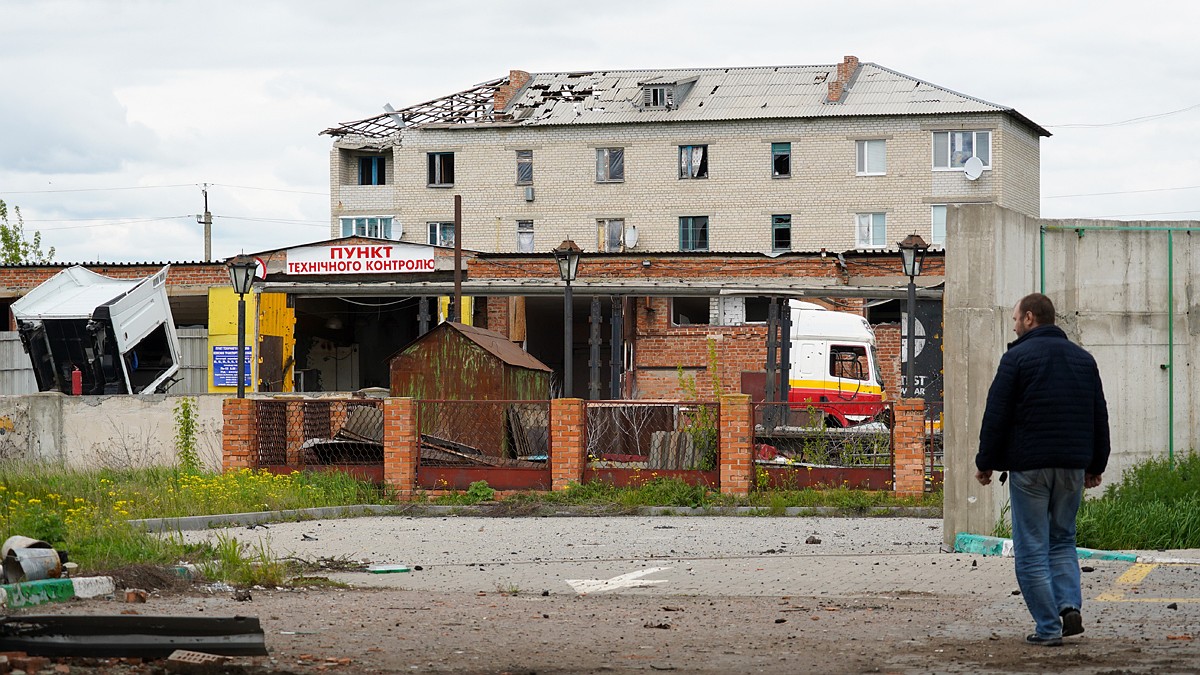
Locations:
(693, 233)
(781, 160)
(441, 234)
(524, 236)
(658, 97)
(441, 168)
(848, 362)
(952, 149)
(372, 170)
(871, 157)
(781, 232)
(610, 165)
(611, 234)
(379, 227)
(686, 311)
(693, 161)
(870, 230)
(757, 309)
(524, 167)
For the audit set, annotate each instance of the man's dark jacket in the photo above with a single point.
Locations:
(1045, 409)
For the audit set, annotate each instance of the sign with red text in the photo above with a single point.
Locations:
(360, 259)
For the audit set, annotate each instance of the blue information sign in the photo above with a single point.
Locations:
(224, 366)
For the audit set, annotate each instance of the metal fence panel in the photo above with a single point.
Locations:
(797, 439)
(653, 435)
(484, 433)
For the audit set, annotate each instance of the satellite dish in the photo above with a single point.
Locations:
(631, 236)
(973, 168)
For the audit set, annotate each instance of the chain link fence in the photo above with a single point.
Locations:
(653, 435)
(513, 434)
(786, 436)
(934, 445)
(307, 433)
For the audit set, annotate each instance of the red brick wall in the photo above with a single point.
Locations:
(908, 446)
(887, 339)
(737, 444)
(568, 441)
(401, 449)
(239, 438)
(16, 281)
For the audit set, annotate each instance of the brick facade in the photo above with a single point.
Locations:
(401, 446)
(737, 445)
(568, 441)
(739, 197)
(239, 437)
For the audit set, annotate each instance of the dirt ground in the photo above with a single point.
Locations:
(407, 631)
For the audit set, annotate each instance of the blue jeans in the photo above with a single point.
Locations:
(1044, 504)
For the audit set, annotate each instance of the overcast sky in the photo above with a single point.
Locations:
(112, 114)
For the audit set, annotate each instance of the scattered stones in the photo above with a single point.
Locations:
(812, 539)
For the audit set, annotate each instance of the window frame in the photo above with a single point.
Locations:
(689, 224)
(934, 239)
(685, 162)
(436, 231)
(525, 227)
(775, 154)
(781, 221)
(525, 160)
(435, 170)
(690, 300)
(858, 220)
(604, 159)
(383, 229)
(603, 226)
(949, 152)
(862, 156)
(378, 170)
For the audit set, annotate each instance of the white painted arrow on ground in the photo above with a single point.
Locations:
(631, 580)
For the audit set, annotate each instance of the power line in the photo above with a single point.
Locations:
(295, 192)
(1131, 215)
(131, 187)
(1132, 120)
(122, 222)
(1123, 192)
(307, 223)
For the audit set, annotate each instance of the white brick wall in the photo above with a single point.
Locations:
(739, 196)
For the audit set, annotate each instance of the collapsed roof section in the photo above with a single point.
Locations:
(845, 89)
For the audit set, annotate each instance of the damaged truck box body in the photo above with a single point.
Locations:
(118, 332)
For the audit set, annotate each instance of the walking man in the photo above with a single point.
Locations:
(1046, 423)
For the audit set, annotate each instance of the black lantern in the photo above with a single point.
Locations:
(241, 276)
(912, 257)
(567, 257)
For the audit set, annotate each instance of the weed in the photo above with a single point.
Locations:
(507, 588)
(242, 565)
(185, 435)
(477, 492)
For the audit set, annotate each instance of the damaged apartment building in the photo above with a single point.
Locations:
(696, 195)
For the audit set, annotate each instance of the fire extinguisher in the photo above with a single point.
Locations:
(76, 382)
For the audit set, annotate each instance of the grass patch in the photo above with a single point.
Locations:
(85, 512)
(1154, 506)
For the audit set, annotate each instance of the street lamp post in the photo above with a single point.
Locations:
(567, 257)
(912, 256)
(241, 275)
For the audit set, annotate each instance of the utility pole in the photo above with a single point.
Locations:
(206, 221)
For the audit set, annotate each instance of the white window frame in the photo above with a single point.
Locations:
(378, 227)
(604, 165)
(936, 239)
(436, 169)
(862, 153)
(874, 226)
(946, 161)
(604, 228)
(437, 233)
(525, 227)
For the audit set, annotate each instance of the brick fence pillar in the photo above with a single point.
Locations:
(908, 446)
(401, 445)
(239, 435)
(737, 444)
(568, 441)
(295, 433)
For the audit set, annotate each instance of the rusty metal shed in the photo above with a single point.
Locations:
(455, 361)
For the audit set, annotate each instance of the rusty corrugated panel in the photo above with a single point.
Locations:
(500, 346)
(455, 362)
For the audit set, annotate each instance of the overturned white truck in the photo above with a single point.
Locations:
(118, 333)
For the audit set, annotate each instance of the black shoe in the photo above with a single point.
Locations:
(1072, 622)
(1035, 639)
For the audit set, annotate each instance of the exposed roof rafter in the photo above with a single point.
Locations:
(469, 106)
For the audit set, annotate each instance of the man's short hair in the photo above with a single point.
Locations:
(1040, 305)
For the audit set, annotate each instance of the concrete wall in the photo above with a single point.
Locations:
(1110, 290)
(104, 431)
(740, 195)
